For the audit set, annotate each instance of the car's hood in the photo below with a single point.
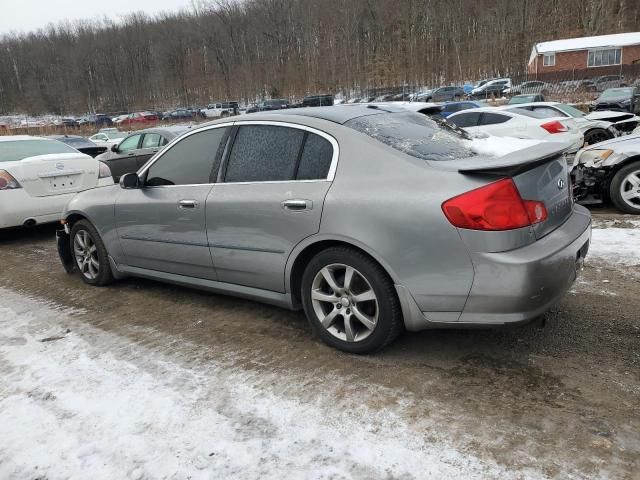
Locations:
(612, 116)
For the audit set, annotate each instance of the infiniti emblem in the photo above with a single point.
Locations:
(560, 184)
(60, 166)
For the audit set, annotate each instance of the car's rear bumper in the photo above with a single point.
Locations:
(518, 285)
(17, 206)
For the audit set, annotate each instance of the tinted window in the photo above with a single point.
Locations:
(263, 153)
(190, 161)
(549, 112)
(413, 134)
(493, 118)
(465, 119)
(130, 143)
(315, 159)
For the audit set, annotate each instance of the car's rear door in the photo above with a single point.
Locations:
(151, 143)
(268, 199)
(162, 224)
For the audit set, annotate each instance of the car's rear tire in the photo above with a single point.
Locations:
(90, 255)
(350, 301)
(596, 135)
(624, 189)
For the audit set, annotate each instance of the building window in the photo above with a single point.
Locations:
(604, 57)
(549, 59)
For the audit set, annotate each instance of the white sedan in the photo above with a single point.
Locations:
(518, 124)
(38, 176)
(108, 137)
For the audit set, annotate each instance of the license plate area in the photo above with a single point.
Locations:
(63, 182)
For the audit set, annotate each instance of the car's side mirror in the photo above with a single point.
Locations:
(114, 148)
(130, 181)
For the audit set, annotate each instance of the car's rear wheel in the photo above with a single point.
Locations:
(350, 301)
(625, 188)
(596, 135)
(90, 255)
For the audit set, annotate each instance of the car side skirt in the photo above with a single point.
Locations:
(283, 300)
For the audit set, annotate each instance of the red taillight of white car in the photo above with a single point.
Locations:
(555, 127)
(494, 207)
(7, 182)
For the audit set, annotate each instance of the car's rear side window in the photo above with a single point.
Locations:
(414, 134)
(489, 118)
(264, 153)
(316, 157)
(463, 120)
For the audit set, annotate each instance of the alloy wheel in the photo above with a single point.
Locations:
(344, 302)
(630, 189)
(86, 254)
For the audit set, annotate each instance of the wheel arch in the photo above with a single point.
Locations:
(306, 250)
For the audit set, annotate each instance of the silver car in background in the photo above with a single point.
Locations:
(371, 218)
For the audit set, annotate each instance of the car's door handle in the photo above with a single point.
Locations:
(130, 154)
(297, 204)
(187, 204)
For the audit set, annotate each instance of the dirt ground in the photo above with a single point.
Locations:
(560, 397)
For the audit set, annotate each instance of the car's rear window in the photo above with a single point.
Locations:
(414, 134)
(11, 151)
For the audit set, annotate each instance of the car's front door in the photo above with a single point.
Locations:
(269, 198)
(124, 160)
(161, 225)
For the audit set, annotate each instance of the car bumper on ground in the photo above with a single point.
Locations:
(514, 286)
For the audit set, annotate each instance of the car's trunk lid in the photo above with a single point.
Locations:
(540, 173)
(55, 174)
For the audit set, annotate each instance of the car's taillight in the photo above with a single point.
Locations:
(7, 182)
(103, 170)
(555, 127)
(497, 206)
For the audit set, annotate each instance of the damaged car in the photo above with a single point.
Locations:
(609, 171)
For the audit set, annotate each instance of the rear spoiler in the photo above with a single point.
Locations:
(508, 165)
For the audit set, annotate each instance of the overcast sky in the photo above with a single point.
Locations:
(27, 15)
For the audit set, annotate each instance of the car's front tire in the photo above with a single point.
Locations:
(350, 301)
(89, 254)
(596, 135)
(624, 189)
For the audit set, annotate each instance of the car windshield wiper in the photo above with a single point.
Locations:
(442, 122)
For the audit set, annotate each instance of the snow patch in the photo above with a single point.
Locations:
(618, 246)
(91, 404)
(499, 146)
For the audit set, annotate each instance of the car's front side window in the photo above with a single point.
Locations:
(130, 143)
(194, 160)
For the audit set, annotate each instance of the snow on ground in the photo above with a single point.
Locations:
(85, 403)
(616, 245)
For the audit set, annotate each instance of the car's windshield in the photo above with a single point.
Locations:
(414, 134)
(571, 111)
(616, 93)
(11, 151)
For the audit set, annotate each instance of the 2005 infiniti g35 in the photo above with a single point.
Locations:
(371, 219)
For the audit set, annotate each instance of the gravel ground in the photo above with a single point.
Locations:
(555, 399)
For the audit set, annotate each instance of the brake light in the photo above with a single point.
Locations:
(555, 127)
(497, 206)
(7, 182)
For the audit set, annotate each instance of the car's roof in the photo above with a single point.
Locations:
(172, 130)
(530, 104)
(14, 138)
(337, 113)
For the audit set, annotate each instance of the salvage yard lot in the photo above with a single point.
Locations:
(145, 380)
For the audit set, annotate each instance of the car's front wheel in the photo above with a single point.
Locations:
(596, 135)
(90, 255)
(625, 188)
(350, 301)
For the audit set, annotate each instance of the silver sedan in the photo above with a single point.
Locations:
(371, 218)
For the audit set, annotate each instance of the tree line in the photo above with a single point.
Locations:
(246, 50)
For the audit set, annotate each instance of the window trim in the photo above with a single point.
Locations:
(604, 49)
(551, 55)
(223, 164)
(334, 158)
